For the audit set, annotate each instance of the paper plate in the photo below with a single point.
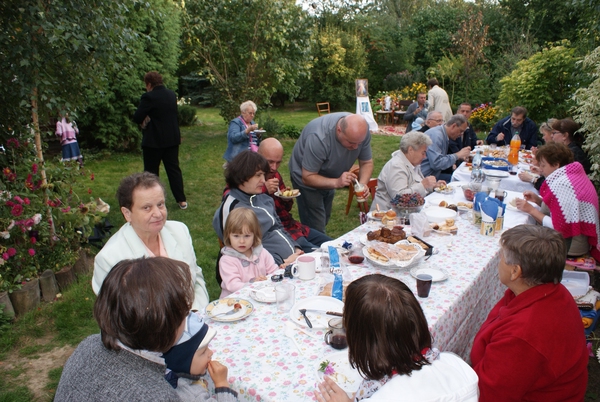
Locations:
(437, 274)
(496, 173)
(318, 320)
(439, 214)
(226, 304)
(264, 293)
(283, 197)
(396, 264)
(370, 216)
(345, 376)
(337, 244)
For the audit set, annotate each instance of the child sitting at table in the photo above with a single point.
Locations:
(244, 259)
(189, 360)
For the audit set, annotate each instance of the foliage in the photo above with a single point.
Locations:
(484, 117)
(544, 83)
(39, 224)
(339, 58)
(52, 51)
(403, 79)
(550, 20)
(409, 92)
(5, 320)
(587, 113)
(106, 118)
(197, 89)
(270, 125)
(186, 114)
(470, 41)
(290, 131)
(249, 50)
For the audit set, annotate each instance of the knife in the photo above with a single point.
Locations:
(334, 313)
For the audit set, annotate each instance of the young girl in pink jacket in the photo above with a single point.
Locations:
(244, 259)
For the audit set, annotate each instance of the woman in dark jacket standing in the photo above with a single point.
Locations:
(157, 114)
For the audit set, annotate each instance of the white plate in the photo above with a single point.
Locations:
(439, 214)
(370, 216)
(449, 190)
(283, 197)
(260, 131)
(318, 320)
(437, 274)
(264, 293)
(222, 306)
(512, 206)
(337, 244)
(496, 173)
(395, 264)
(345, 376)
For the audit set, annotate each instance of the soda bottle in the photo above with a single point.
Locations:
(515, 145)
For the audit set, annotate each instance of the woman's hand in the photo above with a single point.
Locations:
(533, 197)
(523, 205)
(330, 391)
(251, 128)
(292, 258)
(429, 182)
(525, 176)
(258, 279)
(218, 373)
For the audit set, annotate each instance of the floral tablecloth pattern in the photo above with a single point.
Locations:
(265, 364)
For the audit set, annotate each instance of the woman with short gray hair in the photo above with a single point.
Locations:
(241, 134)
(402, 174)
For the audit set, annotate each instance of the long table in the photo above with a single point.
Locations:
(265, 365)
(510, 183)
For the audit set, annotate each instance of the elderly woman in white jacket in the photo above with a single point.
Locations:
(148, 233)
(402, 174)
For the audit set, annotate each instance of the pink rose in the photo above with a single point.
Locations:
(11, 252)
(5, 256)
(31, 252)
(17, 210)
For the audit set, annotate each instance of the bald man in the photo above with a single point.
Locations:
(307, 238)
(321, 160)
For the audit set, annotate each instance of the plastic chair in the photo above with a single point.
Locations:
(323, 107)
(362, 206)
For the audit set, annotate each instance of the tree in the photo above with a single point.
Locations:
(339, 58)
(51, 51)
(107, 116)
(248, 49)
(544, 83)
(470, 41)
(587, 112)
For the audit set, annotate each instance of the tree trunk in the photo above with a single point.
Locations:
(26, 298)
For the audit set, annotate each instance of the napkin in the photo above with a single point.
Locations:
(419, 225)
(337, 290)
(489, 210)
(478, 200)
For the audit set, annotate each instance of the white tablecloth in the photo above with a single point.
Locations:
(511, 183)
(264, 365)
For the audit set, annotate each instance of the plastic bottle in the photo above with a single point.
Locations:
(515, 145)
(476, 172)
(361, 191)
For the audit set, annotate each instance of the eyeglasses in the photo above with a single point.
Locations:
(250, 113)
(555, 132)
(436, 120)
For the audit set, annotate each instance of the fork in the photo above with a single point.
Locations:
(289, 332)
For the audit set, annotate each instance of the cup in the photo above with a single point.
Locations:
(500, 195)
(423, 285)
(356, 255)
(361, 192)
(336, 336)
(305, 267)
(325, 262)
(285, 295)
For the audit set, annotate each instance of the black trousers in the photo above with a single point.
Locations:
(170, 158)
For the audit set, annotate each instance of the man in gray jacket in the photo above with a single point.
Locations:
(437, 153)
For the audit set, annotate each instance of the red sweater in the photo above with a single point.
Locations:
(532, 348)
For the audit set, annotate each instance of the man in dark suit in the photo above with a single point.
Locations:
(157, 114)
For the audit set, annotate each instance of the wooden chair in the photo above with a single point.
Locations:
(403, 105)
(323, 107)
(363, 206)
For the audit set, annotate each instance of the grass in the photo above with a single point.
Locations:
(69, 320)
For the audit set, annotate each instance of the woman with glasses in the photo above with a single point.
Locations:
(241, 134)
(563, 132)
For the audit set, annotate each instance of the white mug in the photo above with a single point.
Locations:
(304, 267)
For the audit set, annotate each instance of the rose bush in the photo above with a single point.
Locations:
(41, 225)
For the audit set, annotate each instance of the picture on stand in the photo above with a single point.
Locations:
(362, 87)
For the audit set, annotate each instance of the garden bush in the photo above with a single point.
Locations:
(186, 115)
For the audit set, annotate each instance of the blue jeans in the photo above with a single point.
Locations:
(314, 206)
(312, 241)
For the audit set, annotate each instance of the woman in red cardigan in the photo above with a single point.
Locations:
(532, 346)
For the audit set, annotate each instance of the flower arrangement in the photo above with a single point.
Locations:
(40, 224)
(484, 116)
(407, 93)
